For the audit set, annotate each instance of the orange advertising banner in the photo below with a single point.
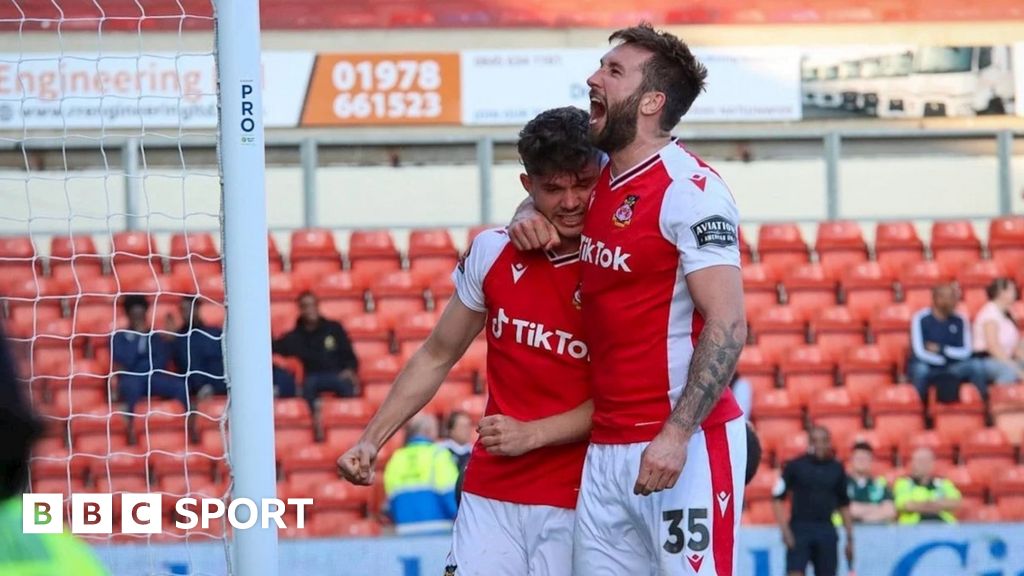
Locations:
(381, 89)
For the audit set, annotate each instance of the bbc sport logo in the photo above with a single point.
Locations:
(142, 513)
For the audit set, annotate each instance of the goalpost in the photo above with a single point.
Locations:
(108, 116)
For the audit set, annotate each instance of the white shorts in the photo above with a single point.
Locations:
(688, 530)
(495, 538)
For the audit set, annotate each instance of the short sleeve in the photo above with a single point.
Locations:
(782, 485)
(699, 216)
(474, 265)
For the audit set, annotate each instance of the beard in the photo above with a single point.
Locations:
(619, 125)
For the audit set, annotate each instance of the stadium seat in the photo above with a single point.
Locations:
(776, 416)
(342, 495)
(760, 288)
(314, 457)
(75, 255)
(399, 293)
(746, 253)
(292, 413)
(807, 371)
(865, 370)
(836, 330)
(779, 328)
(343, 293)
(196, 466)
(57, 333)
(985, 452)
(370, 334)
(974, 279)
(917, 281)
(448, 398)
(285, 287)
(1006, 241)
(475, 231)
(836, 410)
(956, 421)
(342, 412)
(210, 411)
(194, 253)
(442, 289)
(760, 513)
(275, 260)
(99, 420)
(884, 448)
(808, 288)
(1011, 508)
(414, 327)
(866, 288)
(212, 443)
(989, 513)
(323, 525)
(954, 244)
(18, 252)
(379, 371)
(897, 245)
(288, 439)
(1007, 406)
(33, 294)
(67, 401)
(944, 450)
(135, 252)
(1008, 482)
(890, 329)
(757, 368)
(781, 247)
(791, 447)
(373, 253)
(475, 406)
(313, 251)
(896, 412)
(432, 252)
(761, 486)
(840, 244)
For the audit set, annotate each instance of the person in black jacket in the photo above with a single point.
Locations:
(324, 348)
(198, 353)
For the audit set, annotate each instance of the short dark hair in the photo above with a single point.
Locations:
(862, 445)
(133, 301)
(672, 70)
(306, 294)
(557, 141)
(997, 286)
(453, 418)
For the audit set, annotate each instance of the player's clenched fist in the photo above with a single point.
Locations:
(505, 436)
(661, 462)
(530, 230)
(356, 465)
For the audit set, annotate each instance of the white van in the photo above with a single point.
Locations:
(962, 81)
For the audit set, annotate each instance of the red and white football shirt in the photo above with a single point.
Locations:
(537, 363)
(646, 230)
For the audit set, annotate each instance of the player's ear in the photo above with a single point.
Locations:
(524, 179)
(652, 103)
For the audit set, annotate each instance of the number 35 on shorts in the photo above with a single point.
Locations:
(696, 527)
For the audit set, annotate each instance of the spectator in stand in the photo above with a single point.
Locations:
(923, 497)
(28, 554)
(817, 483)
(997, 341)
(460, 443)
(324, 348)
(142, 357)
(871, 499)
(940, 340)
(198, 353)
(420, 480)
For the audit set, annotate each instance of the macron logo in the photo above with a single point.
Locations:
(602, 256)
(517, 272)
(723, 501)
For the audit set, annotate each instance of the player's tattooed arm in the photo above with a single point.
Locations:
(718, 294)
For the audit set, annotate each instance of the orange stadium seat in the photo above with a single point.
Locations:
(884, 448)
(759, 369)
(971, 489)
(896, 412)
(836, 330)
(475, 406)
(1007, 406)
(285, 287)
(865, 370)
(441, 291)
(943, 449)
(18, 252)
(917, 281)
(781, 246)
(370, 334)
(379, 370)
(761, 486)
(777, 415)
(897, 245)
(957, 420)
(974, 279)
(985, 452)
(194, 253)
(790, 448)
(448, 398)
(373, 252)
(289, 439)
(343, 290)
(1011, 508)
(432, 252)
(779, 328)
(840, 244)
(33, 294)
(836, 410)
(954, 243)
(984, 513)
(760, 288)
(746, 253)
(398, 293)
(890, 328)
(74, 256)
(1006, 241)
(341, 412)
(1008, 482)
(807, 371)
(313, 251)
(476, 230)
(867, 286)
(292, 413)
(809, 288)
(760, 513)
(341, 495)
(101, 420)
(135, 251)
(275, 260)
(414, 327)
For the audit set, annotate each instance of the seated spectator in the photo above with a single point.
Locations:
(419, 481)
(198, 353)
(460, 443)
(940, 340)
(324, 349)
(142, 357)
(997, 340)
(870, 498)
(922, 497)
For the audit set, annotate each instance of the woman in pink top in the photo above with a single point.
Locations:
(997, 337)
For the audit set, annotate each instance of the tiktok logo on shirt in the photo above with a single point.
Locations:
(602, 256)
(536, 335)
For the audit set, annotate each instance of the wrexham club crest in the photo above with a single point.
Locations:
(624, 215)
